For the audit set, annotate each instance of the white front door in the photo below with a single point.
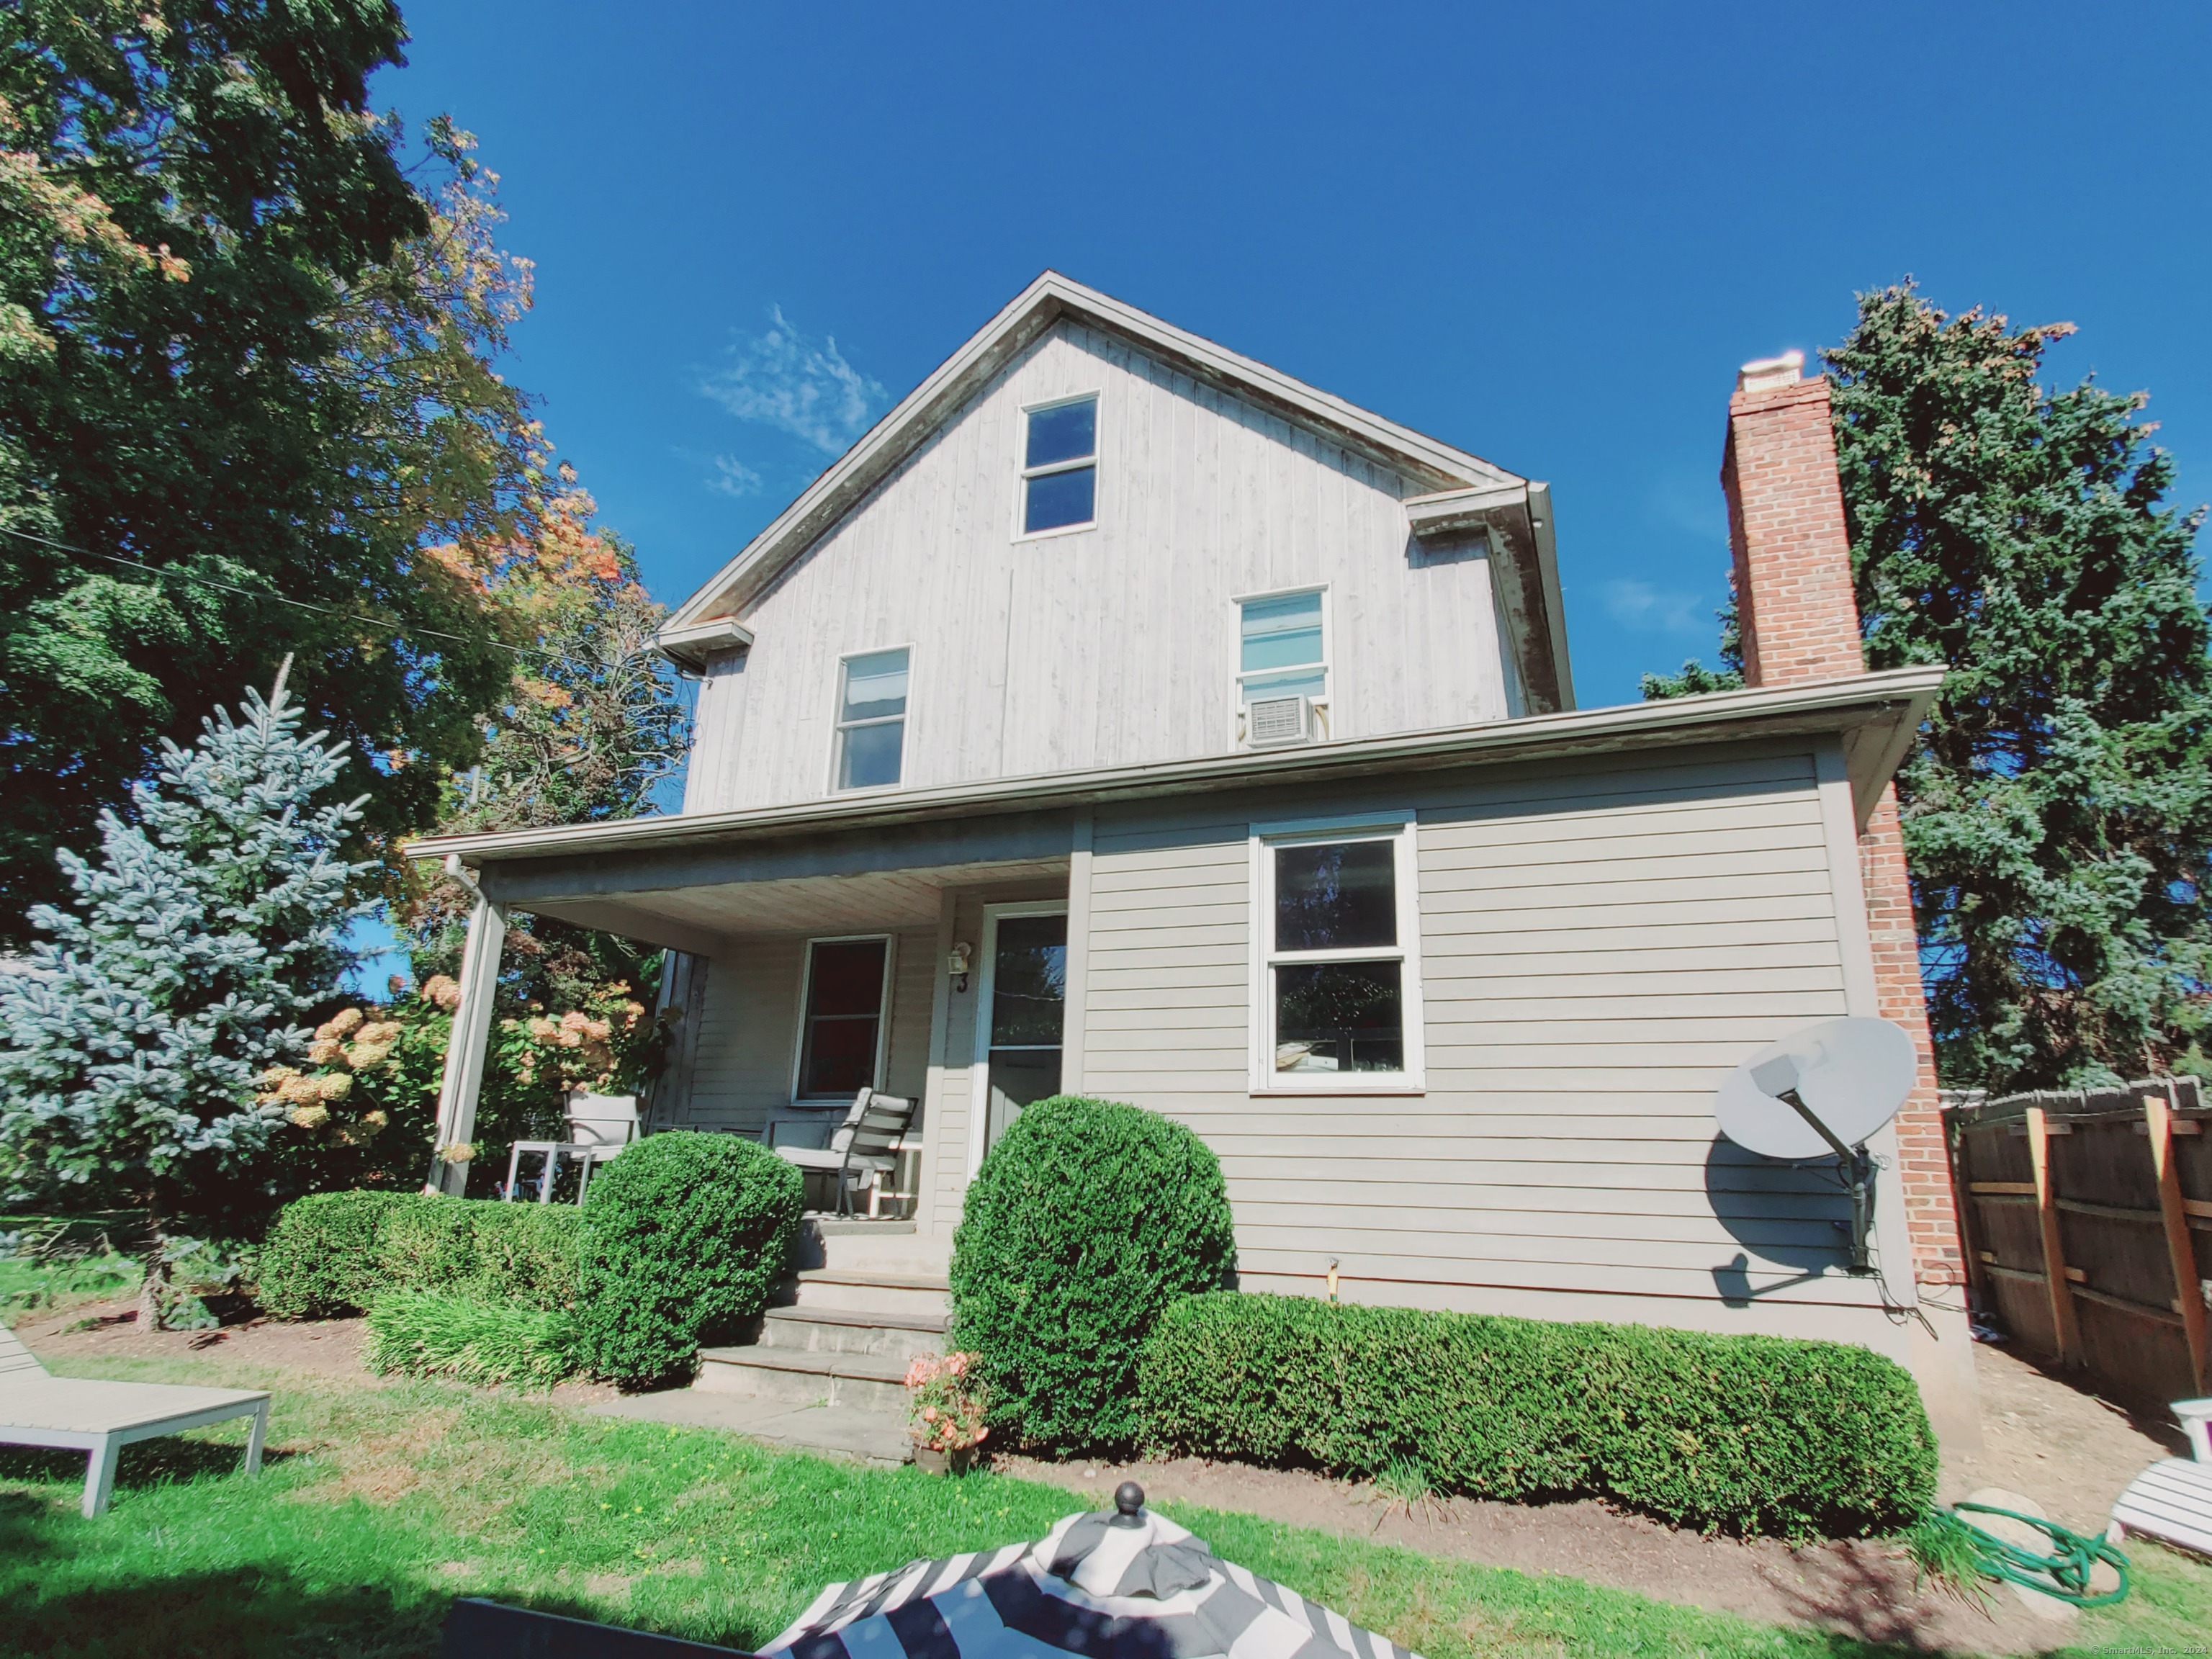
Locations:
(1020, 1009)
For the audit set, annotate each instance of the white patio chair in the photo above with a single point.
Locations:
(864, 1149)
(101, 1419)
(599, 1126)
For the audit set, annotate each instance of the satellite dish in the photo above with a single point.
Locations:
(1821, 1092)
(1851, 1074)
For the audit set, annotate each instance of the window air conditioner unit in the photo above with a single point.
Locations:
(1279, 722)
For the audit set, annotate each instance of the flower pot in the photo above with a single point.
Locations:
(930, 1460)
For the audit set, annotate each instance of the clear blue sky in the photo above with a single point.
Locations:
(1545, 234)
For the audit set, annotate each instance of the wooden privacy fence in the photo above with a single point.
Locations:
(2087, 1219)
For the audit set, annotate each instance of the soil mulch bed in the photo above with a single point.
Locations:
(328, 1347)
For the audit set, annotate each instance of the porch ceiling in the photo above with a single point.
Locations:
(699, 918)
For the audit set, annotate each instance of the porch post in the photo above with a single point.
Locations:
(465, 1048)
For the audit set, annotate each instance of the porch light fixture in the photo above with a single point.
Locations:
(956, 965)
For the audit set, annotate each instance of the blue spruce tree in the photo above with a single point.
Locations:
(130, 1039)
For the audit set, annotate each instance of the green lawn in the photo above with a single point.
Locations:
(380, 1504)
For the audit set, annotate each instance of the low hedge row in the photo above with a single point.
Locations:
(335, 1254)
(1756, 1433)
(681, 1242)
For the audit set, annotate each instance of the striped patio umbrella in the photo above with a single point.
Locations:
(1129, 1585)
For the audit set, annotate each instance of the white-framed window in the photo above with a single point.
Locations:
(1059, 466)
(844, 1025)
(1282, 648)
(1336, 981)
(871, 695)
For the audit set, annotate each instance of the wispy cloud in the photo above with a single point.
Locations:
(732, 476)
(806, 387)
(1648, 610)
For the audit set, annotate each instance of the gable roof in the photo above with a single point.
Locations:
(1462, 489)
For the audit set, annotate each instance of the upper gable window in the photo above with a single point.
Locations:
(871, 720)
(1059, 466)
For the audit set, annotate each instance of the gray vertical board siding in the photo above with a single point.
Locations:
(1601, 941)
(1107, 646)
(749, 1032)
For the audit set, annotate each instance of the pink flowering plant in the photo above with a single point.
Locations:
(945, 1402)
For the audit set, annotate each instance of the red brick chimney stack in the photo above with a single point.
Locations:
(1793, 559)
(1801, 625)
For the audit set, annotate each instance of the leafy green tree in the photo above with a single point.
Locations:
(245, 367)
(2057, 806)
(135, 1040)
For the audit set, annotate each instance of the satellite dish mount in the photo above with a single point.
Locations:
(1842, 1081)
(1778, 1078)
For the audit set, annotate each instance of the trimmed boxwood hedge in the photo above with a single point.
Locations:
(1087, 1219)
(1755, 1433)
(686, 1237)
(335, 1254)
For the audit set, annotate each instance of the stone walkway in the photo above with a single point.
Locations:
(866, 1436)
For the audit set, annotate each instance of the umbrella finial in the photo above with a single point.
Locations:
(1128, 1504)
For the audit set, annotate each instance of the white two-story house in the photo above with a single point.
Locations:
(1122, 716)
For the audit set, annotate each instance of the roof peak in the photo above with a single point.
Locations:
(1046, 300)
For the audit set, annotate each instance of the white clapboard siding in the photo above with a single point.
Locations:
(749, 1029)
(1601, 942)
(1107, 647)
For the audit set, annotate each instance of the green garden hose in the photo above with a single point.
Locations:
(2064, 1573)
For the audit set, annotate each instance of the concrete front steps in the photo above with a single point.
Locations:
(868, 1297)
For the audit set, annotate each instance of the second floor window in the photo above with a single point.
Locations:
(1059, 466)
(871, 720)
(1281, 652)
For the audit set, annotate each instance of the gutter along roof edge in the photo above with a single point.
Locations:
(1902, 693)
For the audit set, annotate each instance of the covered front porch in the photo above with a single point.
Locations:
(927, 962)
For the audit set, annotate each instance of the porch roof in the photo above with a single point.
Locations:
(880, 859)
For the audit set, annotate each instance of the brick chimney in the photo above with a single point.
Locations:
(1801, 625)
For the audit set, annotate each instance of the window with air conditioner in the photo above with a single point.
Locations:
(1336, 991)
(1282, 669)
(1059, 466)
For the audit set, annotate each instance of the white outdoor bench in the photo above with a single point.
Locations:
(101, 1419)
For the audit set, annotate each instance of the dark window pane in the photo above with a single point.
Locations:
(871, 757)
(1339, 896)
(1339, 1016)
(1060, 498)
(847, 978)
(844, 1006)
(1066, 432)
(841, 1057)
(1028, 979)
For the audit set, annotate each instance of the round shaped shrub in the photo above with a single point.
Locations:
(1087, 1219)
(685, 1238)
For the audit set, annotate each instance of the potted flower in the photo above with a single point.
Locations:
(945, 1402)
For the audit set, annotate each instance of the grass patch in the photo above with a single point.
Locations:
(382, 1504)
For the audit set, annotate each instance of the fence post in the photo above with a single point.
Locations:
(2063, 1326)
(2188, 1300)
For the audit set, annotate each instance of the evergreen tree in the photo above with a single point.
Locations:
(131, 1044)
(2057, 806)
